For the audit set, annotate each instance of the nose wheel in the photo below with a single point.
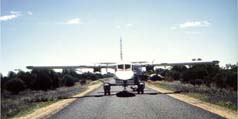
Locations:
(107, 89)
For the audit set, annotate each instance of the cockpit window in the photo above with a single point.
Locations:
(127, 66)
(120, 66)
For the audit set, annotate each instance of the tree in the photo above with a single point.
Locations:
(14, 85)
(179, 68)
(41, 79)
(68, 80)
(26, 77)
(11, 74)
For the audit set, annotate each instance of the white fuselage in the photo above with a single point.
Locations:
(124, 71)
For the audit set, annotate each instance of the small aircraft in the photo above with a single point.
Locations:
(126, 73)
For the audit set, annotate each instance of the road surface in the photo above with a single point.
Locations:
(151, 105)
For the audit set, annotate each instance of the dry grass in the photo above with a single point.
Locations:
(221, 97)
(25, 101)
(195, 101)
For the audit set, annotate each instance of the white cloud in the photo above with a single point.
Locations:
(73, 21)
(12, 15)
(128, 25)
(15, 12)
(191, 24)
(7, 17)
(123, 26)
(29, 13)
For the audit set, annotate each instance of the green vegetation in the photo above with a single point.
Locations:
(43, 79)
(15, 85)
(30, 109)
(207, 82)
(222, 97)
(68, 80)
(203, 74)
(22, 92)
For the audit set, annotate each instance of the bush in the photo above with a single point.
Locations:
(176, 75)
(68, 80)
(196, 82)
(231, 80)
(226, 79)
(41, 80)
(187, 76)
(83, 81)
(14, 85)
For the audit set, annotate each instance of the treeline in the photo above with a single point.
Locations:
(207, 74)
(44, 79)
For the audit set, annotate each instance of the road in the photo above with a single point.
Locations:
(151, 105)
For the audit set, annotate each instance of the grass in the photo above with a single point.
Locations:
(221, 97)
(32, 108)
(27, 101)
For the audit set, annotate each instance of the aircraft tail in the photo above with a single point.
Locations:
(121, 49)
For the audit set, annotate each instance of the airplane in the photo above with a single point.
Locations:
(126, 73)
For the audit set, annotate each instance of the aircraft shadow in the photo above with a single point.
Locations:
(125, 94)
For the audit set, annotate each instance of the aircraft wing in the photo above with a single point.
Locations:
(69, 67)
(178, 63)
(187, 63)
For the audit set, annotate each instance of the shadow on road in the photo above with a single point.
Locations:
(125, 94)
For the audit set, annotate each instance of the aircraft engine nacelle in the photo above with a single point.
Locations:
(96, 69)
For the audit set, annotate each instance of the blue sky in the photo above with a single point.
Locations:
(73, 32)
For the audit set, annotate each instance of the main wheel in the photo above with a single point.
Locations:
(142, 91)
(138, 91)
(105, 93)
(106, 88)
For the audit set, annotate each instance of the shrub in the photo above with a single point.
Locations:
(83, 81)
(176, 75)
(196, 82)
(14, 85)
(41, 80)
(187, 76)
(68, 80)
(231, 80)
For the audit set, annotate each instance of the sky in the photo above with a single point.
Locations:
(74, 32)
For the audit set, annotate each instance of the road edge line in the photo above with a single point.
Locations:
(221, 111)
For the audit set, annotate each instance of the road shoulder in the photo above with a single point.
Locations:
(53, 108)
(230, 114)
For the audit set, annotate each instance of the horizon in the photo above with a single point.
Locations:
(81, 32)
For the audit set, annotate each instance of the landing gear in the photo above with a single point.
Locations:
(107, 89)
(141, 87)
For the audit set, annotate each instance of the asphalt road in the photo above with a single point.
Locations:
(151, 105)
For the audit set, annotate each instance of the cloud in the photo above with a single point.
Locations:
(15, 12)
(129, 25)
(29, 13)
(12, 15)
(123, 26)
(191, 24)
(73, 21)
